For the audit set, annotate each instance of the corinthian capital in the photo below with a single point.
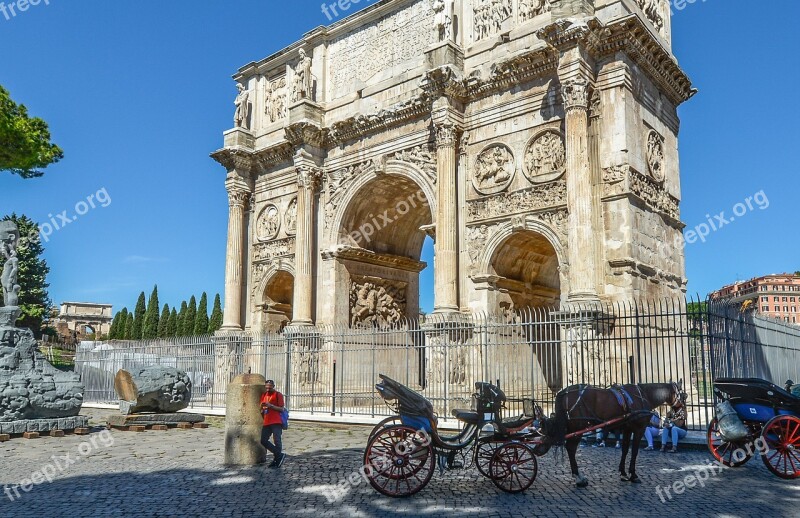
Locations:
(308, 177)
(445, 135)
(238, 197)
(575, 93)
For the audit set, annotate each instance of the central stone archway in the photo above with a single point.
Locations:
(377, 239)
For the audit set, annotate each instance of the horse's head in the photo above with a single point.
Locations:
(677, 397)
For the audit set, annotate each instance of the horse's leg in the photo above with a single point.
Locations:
(572, 448)
(626, 441)
(638, 433)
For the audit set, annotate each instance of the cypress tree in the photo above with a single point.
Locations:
(119, 334)
(181, 319)
(172, 325)
(150, 328)
(215, 322)
(163, 322)
(112, 332)
(201, 320)
(130, 326)
(138, 318)
(191, 315)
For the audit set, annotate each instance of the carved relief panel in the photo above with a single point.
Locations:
(275, 102)
(268, 223)
(290, 218)
(655, 155)
(545, 157)
(494, 169)
(376, 302)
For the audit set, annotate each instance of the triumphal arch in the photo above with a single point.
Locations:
(536, 141)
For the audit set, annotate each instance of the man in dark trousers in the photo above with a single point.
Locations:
(272, 406)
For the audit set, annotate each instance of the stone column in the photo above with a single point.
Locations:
(238, 197)
(582, 241)
(307, 181)
(446, 244)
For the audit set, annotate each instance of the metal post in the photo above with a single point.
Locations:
(333, 402)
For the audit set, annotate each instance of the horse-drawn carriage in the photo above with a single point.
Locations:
(756, 416)
(403, 451)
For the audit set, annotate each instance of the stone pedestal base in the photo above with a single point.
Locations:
(120, 421)
(44, 425)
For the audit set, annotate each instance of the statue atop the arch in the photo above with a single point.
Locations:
(444, 19)
(9, 236)
(303, 81)
(242, 103)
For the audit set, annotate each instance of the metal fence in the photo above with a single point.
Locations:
(332, 370)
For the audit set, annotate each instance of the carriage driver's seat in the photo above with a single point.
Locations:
(467, 416)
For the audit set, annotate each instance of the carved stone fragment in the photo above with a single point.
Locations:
(153, 389)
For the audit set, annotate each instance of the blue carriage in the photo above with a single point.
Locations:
(756, 416)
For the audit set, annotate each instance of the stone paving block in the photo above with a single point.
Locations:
(185, 426)
(30, 435)
(4, 437)
(137, 428)
(160, 427)
(200, 425)
(56, 433)
(82, 431)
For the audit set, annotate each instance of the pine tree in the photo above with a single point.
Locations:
(163, 322)
(201, 320)
(138, 318)
(150, 326)
(172, 325)
(191, 315)
(181, 319)
(215, 322)
(130, 325)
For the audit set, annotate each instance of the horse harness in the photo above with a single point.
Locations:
(624, 398)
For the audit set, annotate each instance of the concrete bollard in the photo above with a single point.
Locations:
(243, 421)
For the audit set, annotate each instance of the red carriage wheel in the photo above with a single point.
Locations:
(399, 462)
(724, 450)
(782, 439)
(483, 455)
(513, 467)
(386, 423)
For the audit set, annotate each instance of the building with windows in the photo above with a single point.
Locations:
(776, 295)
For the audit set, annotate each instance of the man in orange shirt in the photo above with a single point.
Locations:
(272, 406)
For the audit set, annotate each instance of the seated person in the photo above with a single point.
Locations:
(651, 431)
(674, 426)
(600, 438)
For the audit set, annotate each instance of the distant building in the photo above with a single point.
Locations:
(76, 320)
(776, 296)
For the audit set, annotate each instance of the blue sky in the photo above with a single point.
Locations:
(138, 94)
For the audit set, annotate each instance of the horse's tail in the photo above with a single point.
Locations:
(557, 426)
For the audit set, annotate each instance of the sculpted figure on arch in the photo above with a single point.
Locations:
(303, 80)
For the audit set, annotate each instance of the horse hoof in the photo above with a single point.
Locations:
(635, 480)
(623, 477)
(582, 483)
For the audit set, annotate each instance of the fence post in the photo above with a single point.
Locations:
(638, 377)
(333, 402)
(288, 348)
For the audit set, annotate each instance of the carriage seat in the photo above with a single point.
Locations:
(467, 416)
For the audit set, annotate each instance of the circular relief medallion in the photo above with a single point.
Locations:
(268, 224)
(546, 157)
(655, 155)
(290, 218)
(494, 169)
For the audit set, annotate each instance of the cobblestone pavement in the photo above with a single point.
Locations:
(179, 473)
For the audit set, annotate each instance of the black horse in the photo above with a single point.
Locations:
(582, 407)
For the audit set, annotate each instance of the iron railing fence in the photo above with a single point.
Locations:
(530, 354)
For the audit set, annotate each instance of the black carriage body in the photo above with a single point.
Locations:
(756, 400)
